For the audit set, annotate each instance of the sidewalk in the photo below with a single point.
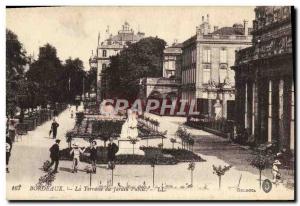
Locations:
(28, 155)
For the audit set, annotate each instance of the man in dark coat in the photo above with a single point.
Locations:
(112, 149)
(8, 151)
(93, 155)
(54, 155)
(54, 127)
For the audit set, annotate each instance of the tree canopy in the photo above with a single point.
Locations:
(142, 59)
(15, 62)
(48, 79)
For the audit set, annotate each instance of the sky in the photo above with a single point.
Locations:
(74, 30)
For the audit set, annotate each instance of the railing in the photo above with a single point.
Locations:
(226, 37)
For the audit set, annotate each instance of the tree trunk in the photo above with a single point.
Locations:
(172, 145)
(220, 182)
(90, 179)
(133, 149)
(112, 177)
(22, 115)
(153, 175)
(162, 142)
(192, 178)
(260, 179)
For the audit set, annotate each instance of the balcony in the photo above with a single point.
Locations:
(244, 55)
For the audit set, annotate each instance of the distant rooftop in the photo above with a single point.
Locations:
(230, 31)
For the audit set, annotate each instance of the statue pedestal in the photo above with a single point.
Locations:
(125, 147)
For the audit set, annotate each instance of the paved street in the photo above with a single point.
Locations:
(29, 154)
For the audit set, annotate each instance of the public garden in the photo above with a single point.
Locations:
(180, 164)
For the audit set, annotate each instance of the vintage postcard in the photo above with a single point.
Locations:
(150, 103)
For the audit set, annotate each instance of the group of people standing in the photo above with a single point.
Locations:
(76, 152)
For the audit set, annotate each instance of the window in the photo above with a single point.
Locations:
(223, 56)
(206, 55)
(104, 53)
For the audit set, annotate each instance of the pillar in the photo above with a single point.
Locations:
(292, 127)
(270, 112)
(254, 106)
(246, 106)
(280, 114)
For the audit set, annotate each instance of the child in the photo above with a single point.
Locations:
(76, 151)
(112, 150)
(93, 155)
(275, 172)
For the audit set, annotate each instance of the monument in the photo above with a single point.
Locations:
(129, 142)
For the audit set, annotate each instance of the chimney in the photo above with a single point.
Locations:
(202, 19)
(216, 28)
(207, 17)
(246, 28)
(175, 42)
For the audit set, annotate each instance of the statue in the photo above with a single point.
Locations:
(129, 142)
(129, 128)
(218, 109)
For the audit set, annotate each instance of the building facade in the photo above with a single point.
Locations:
(205, 70)
(111, 46)
(170, 55)
(265, 91)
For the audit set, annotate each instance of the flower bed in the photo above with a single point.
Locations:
(181, 155)
(120, 159)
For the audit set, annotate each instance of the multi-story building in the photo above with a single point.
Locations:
(265, 80)
(111, 46)
(170, 55)
(205, 66)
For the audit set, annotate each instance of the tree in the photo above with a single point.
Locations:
(260, 162)
(153, 162)
(112, 166)
(138, 60)
(173, 141)
(91, 80)
(46, 71)
(191, 143)
(72, 78)
(133, 142)
(220, 171)
(57, 82)
(15, 62)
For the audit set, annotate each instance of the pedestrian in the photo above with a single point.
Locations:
(12, 129)
(54, 155)
(93, 155)
(76, 151)
(112, 149)
(54, 127)
(8, 151)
